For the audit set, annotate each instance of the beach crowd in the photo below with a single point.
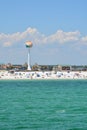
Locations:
(44, 75)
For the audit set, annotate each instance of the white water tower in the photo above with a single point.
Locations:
(28, 45)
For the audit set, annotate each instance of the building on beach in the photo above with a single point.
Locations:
(37, 67)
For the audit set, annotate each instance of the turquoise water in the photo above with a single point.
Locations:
(43, 105)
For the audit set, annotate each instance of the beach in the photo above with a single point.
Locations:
(43, 75)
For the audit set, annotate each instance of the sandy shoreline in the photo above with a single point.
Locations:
(5, 75)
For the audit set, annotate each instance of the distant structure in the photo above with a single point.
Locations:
(28, 45)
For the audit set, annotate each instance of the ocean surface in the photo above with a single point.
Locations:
(43, 105)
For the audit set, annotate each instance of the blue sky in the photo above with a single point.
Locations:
(57, 29)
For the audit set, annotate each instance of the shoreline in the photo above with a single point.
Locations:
(47, 75)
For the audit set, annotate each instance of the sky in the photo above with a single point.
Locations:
(57, 29)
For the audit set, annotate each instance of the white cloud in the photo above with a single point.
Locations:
(38, 38)
(63, 37)
(6, 44)
(84, 39)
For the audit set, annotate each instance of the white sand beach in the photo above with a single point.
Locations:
(44, 75)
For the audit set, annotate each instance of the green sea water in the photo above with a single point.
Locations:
(43, 105)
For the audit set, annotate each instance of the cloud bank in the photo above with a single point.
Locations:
(32, 34)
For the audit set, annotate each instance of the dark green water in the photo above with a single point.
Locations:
(43, 105)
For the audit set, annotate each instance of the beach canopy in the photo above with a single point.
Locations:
(28, 44)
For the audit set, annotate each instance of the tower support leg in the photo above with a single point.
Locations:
(29, 68)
